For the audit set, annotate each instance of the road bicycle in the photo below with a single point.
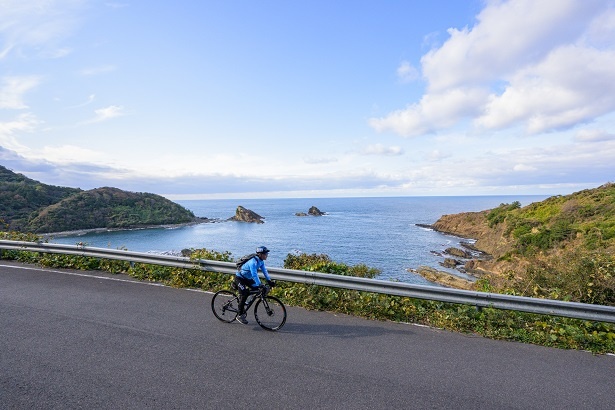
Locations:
(269, 311)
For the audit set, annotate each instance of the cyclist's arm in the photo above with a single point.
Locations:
(264, 270)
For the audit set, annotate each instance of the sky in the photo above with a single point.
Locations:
(319, 98)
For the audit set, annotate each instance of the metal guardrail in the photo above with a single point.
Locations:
(482, 299)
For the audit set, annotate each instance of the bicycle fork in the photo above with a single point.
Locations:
(269, 311)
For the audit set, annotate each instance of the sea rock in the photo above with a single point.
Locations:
(245, 215)
(315, 211)
(450, 263)
(458, 252)
(444, 278)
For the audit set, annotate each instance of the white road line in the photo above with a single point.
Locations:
(100, 277)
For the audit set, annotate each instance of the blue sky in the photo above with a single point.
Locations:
(251, 99)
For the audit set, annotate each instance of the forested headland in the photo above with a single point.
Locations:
(30, 206)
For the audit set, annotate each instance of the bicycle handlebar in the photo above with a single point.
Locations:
(264, 289)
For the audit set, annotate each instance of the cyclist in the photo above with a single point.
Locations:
(246, 279)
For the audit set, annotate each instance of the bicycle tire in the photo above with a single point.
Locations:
(270, 315)
(224, 305)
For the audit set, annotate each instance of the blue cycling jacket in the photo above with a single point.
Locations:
(250, 269)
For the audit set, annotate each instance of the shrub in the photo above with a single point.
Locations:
(578, 276)
(498, 215)
(322, 263)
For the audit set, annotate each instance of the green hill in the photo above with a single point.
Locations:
(562, 247)
(108, 208)
(30, 206)
(21, 198)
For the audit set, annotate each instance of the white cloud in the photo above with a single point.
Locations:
(524, 62)
(406, 72)
(107, 113)
(56, 53)
(556, 166)
(594, 135)
(6, 50)
(90, 100)
(601, 31)
(37, 26)
(560, 167)
(508, 35)
(433, 112)
(69, 154)
(321, 160)
(571, 85)
(437, 155)
(12, 91)
(23, 123)
(524, 168)
(379, 149)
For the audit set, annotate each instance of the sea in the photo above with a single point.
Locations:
(382, 233)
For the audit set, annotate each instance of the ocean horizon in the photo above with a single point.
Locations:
(380, 232)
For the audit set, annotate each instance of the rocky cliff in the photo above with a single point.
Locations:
(516, 238)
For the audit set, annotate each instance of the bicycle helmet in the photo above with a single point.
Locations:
(262, 249)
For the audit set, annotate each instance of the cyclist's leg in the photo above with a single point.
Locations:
(243, 287)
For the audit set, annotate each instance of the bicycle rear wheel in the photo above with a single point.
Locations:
(270, 314)
(224, 305)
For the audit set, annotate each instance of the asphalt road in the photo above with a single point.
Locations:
(73, 339)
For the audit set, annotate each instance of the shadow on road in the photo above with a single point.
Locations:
(342, 331)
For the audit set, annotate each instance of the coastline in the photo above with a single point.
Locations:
(81, 232)
(394, 233)
(464, 261)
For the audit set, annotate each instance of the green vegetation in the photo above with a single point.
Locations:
(586, 218)
(498, 215)
(109, 208)
(324, 264)
(561, 248)
(577, 276)
(29, 206)
(544, 330)
(22, 198)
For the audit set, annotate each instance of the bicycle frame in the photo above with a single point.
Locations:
(269, 311)
(257, 294)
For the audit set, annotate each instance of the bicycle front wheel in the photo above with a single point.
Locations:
(270, 313)
(224, 305)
